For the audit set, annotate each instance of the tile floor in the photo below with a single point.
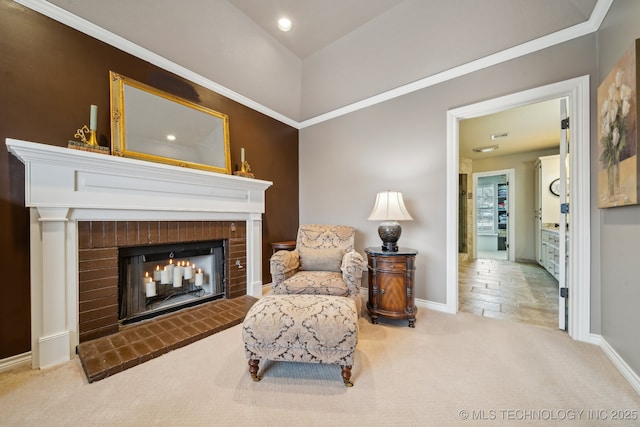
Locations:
(136, 343)
(519, 291)
(493, 254)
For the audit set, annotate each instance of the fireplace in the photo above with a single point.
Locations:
(101, 242)
(84, 206)
(159, 279)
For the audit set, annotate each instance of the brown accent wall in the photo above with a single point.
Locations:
(49, 76)
(98, 243)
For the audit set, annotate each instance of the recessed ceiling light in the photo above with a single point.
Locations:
(284, 24)
(171, 137)
(486, 149)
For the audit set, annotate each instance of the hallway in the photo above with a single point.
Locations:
(519, 291)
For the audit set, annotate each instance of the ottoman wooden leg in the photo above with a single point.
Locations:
(346, 375)
(253, 369)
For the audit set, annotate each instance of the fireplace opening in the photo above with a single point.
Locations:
(158, 279)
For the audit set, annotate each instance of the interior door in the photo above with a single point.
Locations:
(493, 214)
(563, 279)
(538, 210)
(503, 215)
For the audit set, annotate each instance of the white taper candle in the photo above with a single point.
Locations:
(93, 121)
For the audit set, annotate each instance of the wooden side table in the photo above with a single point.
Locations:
(391, 284)
(288, 245)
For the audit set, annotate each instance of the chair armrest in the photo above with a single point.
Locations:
(283, 264)
(352, 265)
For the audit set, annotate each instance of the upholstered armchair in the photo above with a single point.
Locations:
(324, 262)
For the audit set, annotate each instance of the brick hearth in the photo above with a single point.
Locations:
(143, 341)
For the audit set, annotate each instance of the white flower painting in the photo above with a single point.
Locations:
(617, 134)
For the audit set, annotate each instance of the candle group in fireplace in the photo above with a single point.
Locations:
(173, 274)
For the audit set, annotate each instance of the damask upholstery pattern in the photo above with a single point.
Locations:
(302, 328)
(288, 278)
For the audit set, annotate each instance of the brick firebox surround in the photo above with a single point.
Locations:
(98, 243)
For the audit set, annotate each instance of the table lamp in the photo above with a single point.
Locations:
(389, 208)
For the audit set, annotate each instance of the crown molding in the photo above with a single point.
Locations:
(570, 33)
(598, 14)
(54, 12)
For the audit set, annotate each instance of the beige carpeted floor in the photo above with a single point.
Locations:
(448, 368)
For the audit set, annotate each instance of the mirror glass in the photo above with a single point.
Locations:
(149, 124)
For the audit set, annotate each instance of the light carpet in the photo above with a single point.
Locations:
(451, 370)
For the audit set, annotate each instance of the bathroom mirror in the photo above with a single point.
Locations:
(149, 124)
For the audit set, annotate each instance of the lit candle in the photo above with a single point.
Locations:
(199, 277)
(165, 277)
(149, 285)
(242, 155)
(157, 274)
(177, 276)
(170, 267)
(93, 122)
(188, 272)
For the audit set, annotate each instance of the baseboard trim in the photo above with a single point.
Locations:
(618, 362)
(435, 306)
(14, 361)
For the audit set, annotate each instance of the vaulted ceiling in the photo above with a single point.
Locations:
(316, 24)
(339, 52)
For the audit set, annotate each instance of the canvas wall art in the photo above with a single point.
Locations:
(618, 134)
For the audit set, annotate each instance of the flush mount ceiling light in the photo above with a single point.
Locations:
(499, 135)
(171, 137)
(486, 149)
(284, 24)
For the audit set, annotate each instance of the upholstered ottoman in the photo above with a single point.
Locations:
(302, 328)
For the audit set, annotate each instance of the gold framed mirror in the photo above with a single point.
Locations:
(149, 124)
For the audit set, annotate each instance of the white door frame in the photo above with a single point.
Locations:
(511, 210)
(579, 283)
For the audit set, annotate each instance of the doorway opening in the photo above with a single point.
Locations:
(493, 282)
(578, 280)
(493, 214)
(463, 244)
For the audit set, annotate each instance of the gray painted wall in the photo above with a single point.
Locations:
(620, 226)
(401, 145)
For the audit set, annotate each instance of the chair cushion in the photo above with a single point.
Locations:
(314, 283)
(320, 259)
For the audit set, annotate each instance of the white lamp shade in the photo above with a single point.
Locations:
(390, 207)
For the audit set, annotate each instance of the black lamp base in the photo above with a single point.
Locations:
(389, 232)
(389, 247)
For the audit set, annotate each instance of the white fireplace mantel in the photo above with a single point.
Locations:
(64, 186)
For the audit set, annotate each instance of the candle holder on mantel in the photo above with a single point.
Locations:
(85, 144)
(245, 170)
